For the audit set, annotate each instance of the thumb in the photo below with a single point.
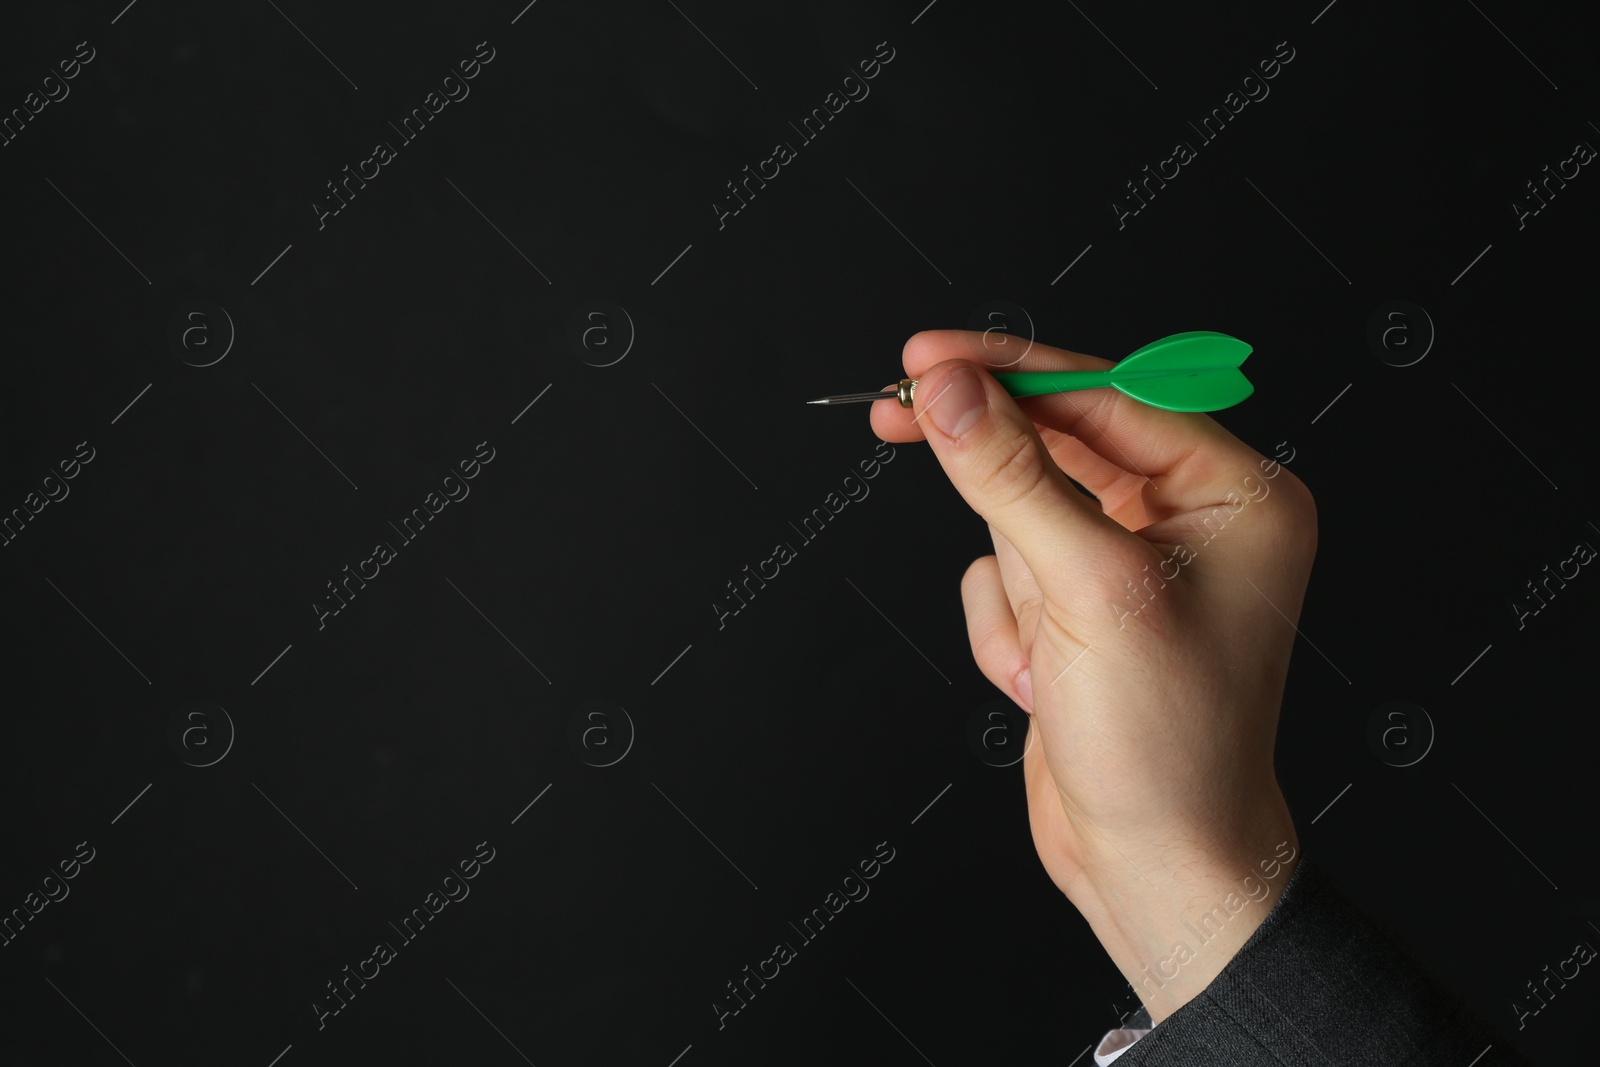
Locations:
(991, 452)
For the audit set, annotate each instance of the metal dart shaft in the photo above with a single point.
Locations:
(902, 392)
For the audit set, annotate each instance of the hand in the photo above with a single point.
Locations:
(1146, 628)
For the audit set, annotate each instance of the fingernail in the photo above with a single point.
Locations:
(960, 403)
(1025, 688)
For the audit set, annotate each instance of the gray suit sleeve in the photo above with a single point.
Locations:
(1319, 983)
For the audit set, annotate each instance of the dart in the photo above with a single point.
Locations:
(1194, 371)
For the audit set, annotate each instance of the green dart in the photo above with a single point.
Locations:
(1194, 371)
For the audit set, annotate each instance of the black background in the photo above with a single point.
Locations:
(808, 729)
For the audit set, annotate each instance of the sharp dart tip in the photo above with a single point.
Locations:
(853, 398)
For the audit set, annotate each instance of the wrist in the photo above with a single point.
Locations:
(1171, 915)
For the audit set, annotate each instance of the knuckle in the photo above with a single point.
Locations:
(1296, 514)
(1304, 500)
(1012, 470)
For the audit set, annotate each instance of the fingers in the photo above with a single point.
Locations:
(894, 423)
(992, 454)
(1127, 497)
(1021, 590)
(1187, 454)
(992, 629)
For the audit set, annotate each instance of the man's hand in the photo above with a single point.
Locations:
(1147, 628)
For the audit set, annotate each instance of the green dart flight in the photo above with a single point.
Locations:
(1194, 371)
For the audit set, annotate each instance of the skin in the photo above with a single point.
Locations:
(1150, 786)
